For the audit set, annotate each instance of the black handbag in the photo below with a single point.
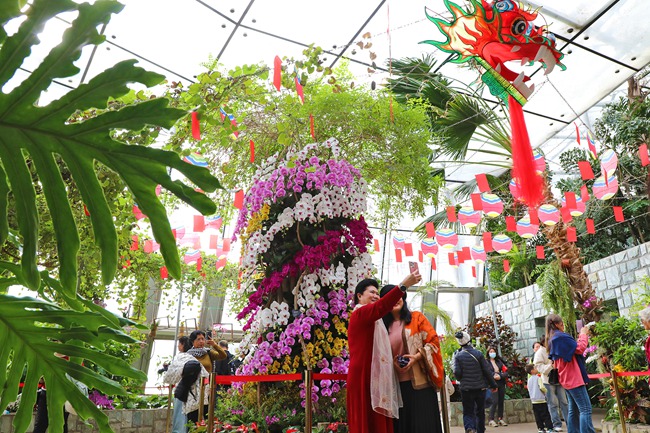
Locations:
(553, 377)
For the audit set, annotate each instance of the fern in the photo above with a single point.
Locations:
(557, 294)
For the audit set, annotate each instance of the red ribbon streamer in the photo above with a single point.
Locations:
(252, 146)
(311, 127)
(196, 127)
(277, 73)
(523, 160)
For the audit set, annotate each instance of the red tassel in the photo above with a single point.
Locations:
(311, 127)
(523, 161)
(196, 128)
(277, 73)
(252, 147)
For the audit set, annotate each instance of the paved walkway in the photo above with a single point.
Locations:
(598, 415)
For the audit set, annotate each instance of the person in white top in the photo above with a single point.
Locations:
(556, 395)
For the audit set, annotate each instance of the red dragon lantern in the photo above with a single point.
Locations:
(493, 33)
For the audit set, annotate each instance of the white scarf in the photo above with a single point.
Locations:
(385, 395)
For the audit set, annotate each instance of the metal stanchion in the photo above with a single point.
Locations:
(309, 384)
(617, 394)
(169, 410)
(443, 405)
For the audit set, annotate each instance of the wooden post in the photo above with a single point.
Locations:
(618, 401)
(443, 405)
(211, 401)
(201, 399)
(309, 384)
(169, 410)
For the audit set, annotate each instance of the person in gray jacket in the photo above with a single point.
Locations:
(471, 369)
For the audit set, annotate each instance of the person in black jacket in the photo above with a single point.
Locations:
(471, 369)
(500, 374)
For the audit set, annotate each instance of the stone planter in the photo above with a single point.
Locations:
(514, 412)
(121, 421)
(615, 427)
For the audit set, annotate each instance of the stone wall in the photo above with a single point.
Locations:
(614, 278)
(514, 412)
(122, 421)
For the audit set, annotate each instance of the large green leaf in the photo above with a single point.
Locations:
(31, 332)
(32, 136)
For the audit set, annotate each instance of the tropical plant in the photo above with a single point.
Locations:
(618, 346)
(557, 294)
(35, 142)
(431, 309)
(460, 117)
(482, 329)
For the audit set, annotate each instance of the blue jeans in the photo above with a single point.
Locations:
(556, 396)
(474, 409)
(579, 420)
(178, 418)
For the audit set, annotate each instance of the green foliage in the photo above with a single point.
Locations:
(620, 348)
(483, 332)
(55, 159)
(557, 294)
(622, 127)
(391, 150)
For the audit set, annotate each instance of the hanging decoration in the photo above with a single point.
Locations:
(469, 217)
(492, 205)
(491, 34)
(478, 254)
(525, 228)
(540, 162)
(548, 214)
(605, 190)
(447, 238)
(577, 210)
(608, 162)
(501, 243)
(515, 189)
(429, 247)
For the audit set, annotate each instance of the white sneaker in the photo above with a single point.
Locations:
(492, 423)
(557, 428)
(503, 423)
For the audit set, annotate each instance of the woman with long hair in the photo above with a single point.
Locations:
(567, 355)
(555, 394)
(373, 392)
(418, 363)
(500, 374)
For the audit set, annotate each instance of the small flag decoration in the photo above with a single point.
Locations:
(277, 72)
(571, 235)
(618, 213)
(376, 244)
(196, 127)
(591, 227)
(164, 274)
(252, 151)
(482, 182)
(398, 256)
(199, 223)
(138, 213)
(585, 170)
(643, 154)
(431, 230)
(540, 252)
(239, 199)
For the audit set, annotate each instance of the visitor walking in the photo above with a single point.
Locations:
(471, 369)
(567, 355)
(537, 392)
(500, 374)
(555, 394)
(372, 389)
(184, 372)
(418, 363)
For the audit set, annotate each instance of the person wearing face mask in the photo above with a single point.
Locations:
(500, 374)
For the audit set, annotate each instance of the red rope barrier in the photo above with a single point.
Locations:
(634, 373)
(599, 376)
(323, 376)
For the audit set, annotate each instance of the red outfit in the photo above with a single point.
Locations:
(647, 350)
(361, 417)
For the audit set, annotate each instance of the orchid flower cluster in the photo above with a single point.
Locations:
(304, 251)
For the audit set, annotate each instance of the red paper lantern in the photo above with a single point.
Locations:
(515, 190)
(492, 205)
(548, 214)
(447, 238)
(469, 217)
(501, 244)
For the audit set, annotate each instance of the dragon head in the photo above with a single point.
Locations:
(494, 33)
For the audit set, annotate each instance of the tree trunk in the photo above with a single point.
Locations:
(569, 256)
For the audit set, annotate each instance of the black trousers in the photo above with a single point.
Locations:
(542, 416)
(41, 421)
(474, 409)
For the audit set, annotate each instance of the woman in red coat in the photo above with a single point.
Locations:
(644, 315)
(372, 396)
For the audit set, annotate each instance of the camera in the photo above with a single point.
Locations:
(402, 361)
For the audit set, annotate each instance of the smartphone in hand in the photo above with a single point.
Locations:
(413, 267)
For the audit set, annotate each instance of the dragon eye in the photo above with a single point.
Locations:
(518, 26)
(504, 5)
